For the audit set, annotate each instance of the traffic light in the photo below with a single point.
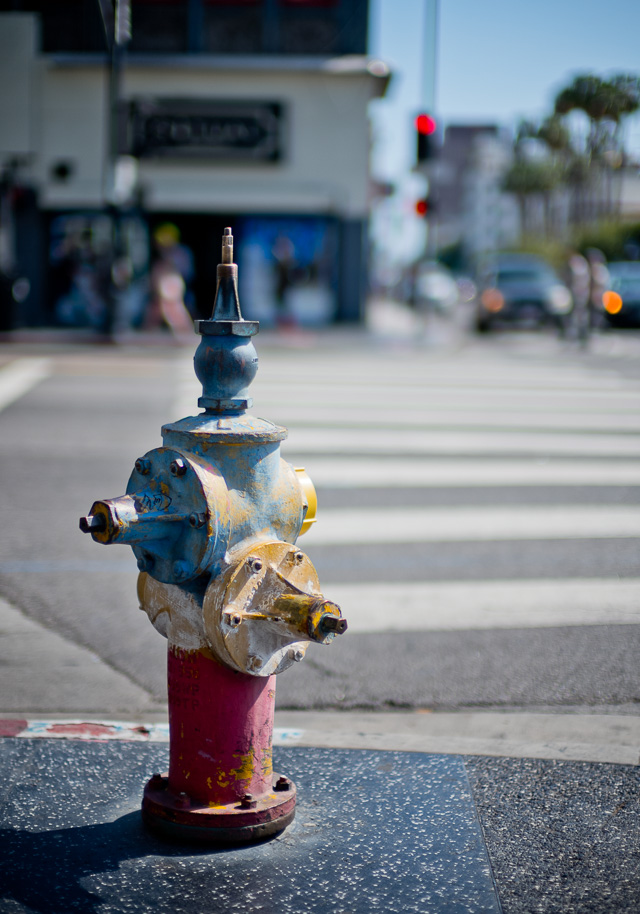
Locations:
(426, 127)
(425, 206)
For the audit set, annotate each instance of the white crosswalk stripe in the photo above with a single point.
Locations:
(476, 443)
(449, 418)
(19, 377)
(451, 524)
(339, 473)
(488, 604)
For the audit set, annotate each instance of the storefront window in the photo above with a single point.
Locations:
(324, 27)
(233, 27)
(159, 26)
(287, 270)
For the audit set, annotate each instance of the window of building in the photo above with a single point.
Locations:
(233, 27)
(317, 27)
(159, 26)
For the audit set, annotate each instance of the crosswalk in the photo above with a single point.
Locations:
(19, 376)
(474, 446)
(477, 523)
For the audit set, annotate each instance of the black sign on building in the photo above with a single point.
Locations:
(227, 131)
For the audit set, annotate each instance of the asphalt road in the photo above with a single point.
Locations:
(478, 519)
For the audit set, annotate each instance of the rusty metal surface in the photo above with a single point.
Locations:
(206, 492)
(246, 819)
(213, 517)
(221, 730)
(174, 612)
(216, 488)
(262, 613)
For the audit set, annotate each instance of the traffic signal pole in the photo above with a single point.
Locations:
(426, 123)
(430, 59)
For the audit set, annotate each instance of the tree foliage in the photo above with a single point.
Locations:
(600, 99)
(606, 102)
(531, 177)
(554, 132)
(552, 157)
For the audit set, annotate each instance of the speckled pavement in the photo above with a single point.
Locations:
(374, 831)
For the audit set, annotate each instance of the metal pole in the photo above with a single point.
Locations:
(430, 59)
(120, 36)
(429, 82)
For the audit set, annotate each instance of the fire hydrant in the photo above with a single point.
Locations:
(213, 517)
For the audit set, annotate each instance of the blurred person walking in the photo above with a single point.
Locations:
(283, 253)
(578, 279)
(171, 275)
(599, 284)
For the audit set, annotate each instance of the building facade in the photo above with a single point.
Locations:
(473, 210)
(250, 114)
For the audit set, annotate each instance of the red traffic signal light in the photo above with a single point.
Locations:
(426, 206)
(425, 124)
(425, 127)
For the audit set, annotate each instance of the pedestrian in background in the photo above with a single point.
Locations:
(599, 284)
(171, 275)
(578, 278)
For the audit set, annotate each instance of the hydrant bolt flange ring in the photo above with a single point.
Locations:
(244, 820)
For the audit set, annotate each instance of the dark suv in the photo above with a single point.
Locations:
(521, 288)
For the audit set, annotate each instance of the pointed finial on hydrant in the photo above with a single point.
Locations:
(226, 318)
(226, 361)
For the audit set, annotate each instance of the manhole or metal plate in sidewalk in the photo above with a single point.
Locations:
(374, 831)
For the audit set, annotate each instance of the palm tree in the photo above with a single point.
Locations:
(606, 103)
(527, 178)
(555, 134)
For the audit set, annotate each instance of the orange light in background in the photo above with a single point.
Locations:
(612, 302)
(492, 300)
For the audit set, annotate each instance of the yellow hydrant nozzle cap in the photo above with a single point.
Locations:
(309, 492)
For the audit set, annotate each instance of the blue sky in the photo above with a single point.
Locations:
(499, 60)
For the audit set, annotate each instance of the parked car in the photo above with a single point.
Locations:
(621, 301)
(523, 289)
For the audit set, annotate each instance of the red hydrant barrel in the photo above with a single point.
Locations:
(221, 725)
(221, 786)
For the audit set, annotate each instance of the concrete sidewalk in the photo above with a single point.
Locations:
(39, 663)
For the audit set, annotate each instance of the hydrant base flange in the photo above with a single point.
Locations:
(180, 818)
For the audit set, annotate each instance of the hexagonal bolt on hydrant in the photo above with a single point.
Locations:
(213, 517)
